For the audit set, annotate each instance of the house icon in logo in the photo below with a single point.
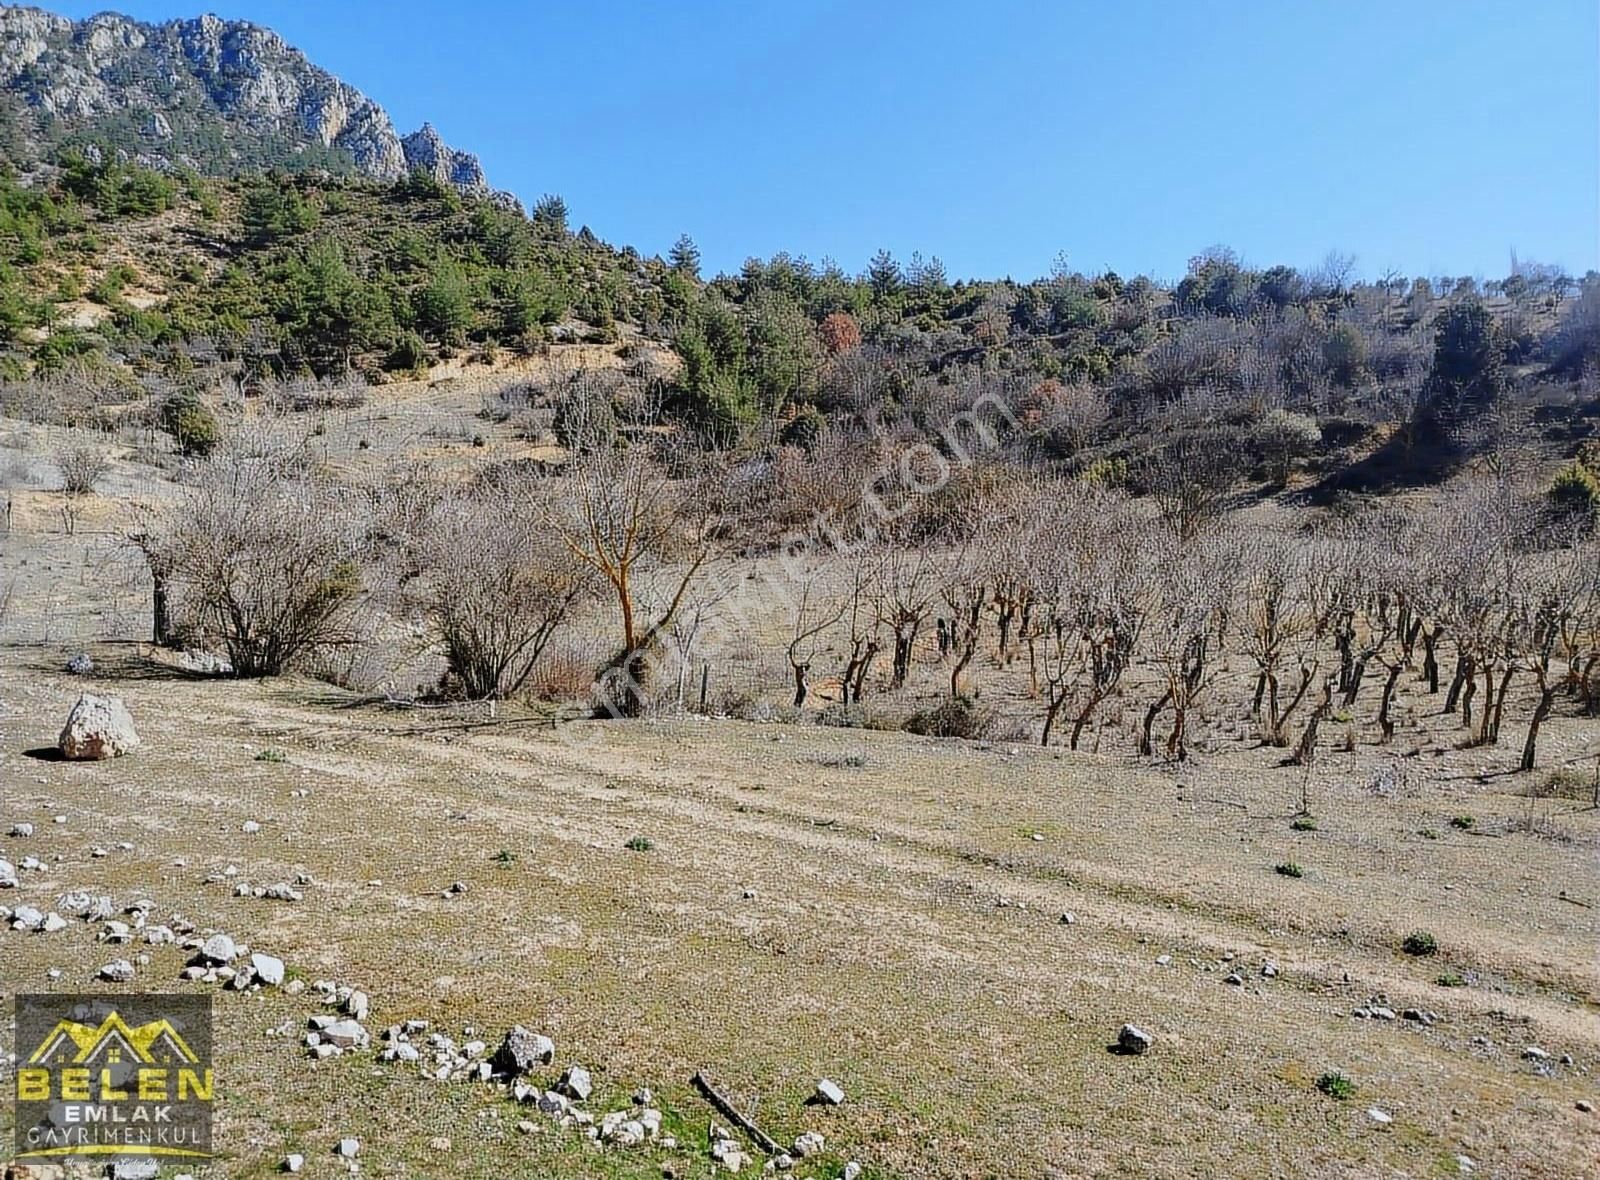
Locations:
(113, 1042)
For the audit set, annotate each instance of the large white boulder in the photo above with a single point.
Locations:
(98, 727)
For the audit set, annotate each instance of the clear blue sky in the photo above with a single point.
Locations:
(1432, 136)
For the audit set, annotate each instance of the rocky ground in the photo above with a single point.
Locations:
(953, 935)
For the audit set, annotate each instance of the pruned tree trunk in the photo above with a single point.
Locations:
(1146, 744)
(1547, 696)
(1307, 749)
(1499, 707)
(1461, 678)
(1385, 723)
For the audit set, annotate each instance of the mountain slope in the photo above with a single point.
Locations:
(221, 97)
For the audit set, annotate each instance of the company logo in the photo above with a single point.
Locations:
(114, 1077)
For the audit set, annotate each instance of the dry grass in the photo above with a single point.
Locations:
(903, 938)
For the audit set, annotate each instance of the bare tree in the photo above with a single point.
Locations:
(863, 626)
(496, 586)
(267, 554)
(905, 586)
(1193, 596)
(81, 468)
(619, 511)
(1277, 624)
(813, 616)
(1095, 581)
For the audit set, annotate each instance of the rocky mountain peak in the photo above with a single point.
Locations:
(216, 95)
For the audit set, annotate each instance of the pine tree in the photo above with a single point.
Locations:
(685, 256)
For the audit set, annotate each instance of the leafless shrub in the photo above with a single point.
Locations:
(265, 558)
(496, 585)
(81, 468)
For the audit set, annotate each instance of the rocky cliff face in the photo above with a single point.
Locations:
(217, 96)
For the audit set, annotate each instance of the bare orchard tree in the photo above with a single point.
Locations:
(1557, 595)
(618, 510)
(1480, 535)
(812, 616)
(1197, 584)
(266, 554)
(1277, 627)
(967, 581)
(905, 586)
(864, 630)
(496, 585)
(1095, 580)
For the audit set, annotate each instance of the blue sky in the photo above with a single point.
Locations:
(1426, 136)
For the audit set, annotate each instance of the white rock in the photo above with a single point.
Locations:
(829, 1092)
(117, 971)
(22, 830)
(576, 1083)
(1382, 1117)
(345, 1034)
(808, 1143)
(267, 969)
(97, 728)
(349, 1147)
(293, 1162)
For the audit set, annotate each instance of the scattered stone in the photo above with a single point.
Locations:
(829, 1093)
(348, 1147)
(250, 827)
(1382, 1117)
(1134, 1040)
(357, 1004)
(218, 950)
(1234, 980)
(25, 917)
(808, 1143)
(522, 1052)
(97, 728)
(576, 1083)
(267, 969)
(526, 1127)
(116, 932)
(345, 1034)
(852, 1171)
(1534, 1053)
(81, 665)
(8, 875)
(1585, 1106)
(293, 1162)
(22, 830)
(117, 971)
(1163, 960)
(204, 663)
(727, 1153)
(52, 923)
(1269, 969)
